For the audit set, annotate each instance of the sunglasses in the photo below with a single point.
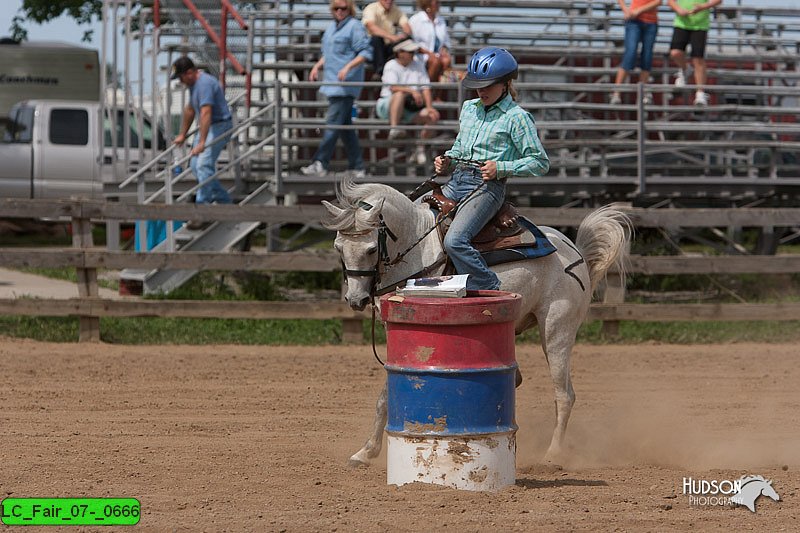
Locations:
(340, 8)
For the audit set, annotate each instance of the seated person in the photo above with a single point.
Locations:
(406, 96)
(386, 26)
(430, 31)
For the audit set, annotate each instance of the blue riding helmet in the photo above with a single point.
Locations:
(488, 66)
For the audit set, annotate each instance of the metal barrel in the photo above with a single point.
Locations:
(451, 372)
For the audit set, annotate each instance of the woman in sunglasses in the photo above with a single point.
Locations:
(345, 50)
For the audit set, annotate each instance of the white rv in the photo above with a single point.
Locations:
(43, 71)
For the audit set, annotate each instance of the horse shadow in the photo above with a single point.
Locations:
(530, 483)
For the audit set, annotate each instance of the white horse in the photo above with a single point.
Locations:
(375, 222)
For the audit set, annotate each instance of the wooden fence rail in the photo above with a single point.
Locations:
(87, 259)
(300, 214)
(100, 307)
(328, 261)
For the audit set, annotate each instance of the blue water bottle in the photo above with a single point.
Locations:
(177, 168)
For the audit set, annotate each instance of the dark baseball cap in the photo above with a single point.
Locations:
(181, 65)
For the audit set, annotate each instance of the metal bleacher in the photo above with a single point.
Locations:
(743, 148)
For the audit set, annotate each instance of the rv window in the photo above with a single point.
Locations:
(19, 125)
(69, 126)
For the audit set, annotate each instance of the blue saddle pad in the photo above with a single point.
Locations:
(539, 247)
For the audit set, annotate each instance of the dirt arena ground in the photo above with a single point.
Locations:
(243, 438)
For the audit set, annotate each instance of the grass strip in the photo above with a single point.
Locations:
(194, 331)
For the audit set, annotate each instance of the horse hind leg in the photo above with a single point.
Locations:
(557, 343)
(372, 447)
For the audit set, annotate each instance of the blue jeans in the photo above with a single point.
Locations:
(470, 218)
(639, 32)
(205, 164)
(340, 113)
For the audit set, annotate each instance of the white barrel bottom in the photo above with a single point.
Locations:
(480, 462)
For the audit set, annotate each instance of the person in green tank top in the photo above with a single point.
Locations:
(692, 20)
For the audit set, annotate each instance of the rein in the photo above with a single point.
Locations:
(469, 162)
(435, 226)
(383, 252)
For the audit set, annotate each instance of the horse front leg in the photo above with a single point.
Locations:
(372, 447)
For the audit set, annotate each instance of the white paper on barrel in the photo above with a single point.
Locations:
(436, 287)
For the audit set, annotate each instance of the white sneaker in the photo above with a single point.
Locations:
(647, 98)
(314, 169)
(351, 173)
(419, 156)
(701, 98)
(395, 133)
(615, 99)
(680, 79)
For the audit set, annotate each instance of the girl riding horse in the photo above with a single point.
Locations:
(497, 132)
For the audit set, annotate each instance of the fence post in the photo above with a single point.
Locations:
(89, 326)
(641, 133)
(614, 293)
(352, 332)
(277, 97)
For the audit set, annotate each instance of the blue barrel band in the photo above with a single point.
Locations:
(456, 403)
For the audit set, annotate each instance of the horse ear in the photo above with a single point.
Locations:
(374, 214)
(332, 209)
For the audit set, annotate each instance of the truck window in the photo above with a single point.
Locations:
(147, 133)
(69, 126)
(19, 126)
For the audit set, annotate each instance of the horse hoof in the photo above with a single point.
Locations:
(549, 468)
(357, 463)
(518, 379)
(552, 460)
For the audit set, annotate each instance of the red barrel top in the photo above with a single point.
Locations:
(478, 307)
(475, 332)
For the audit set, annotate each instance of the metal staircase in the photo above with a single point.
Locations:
(217, 237)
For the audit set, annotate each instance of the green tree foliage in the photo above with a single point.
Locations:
(41, 11)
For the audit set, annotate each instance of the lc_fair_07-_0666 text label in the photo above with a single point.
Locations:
(69, 511)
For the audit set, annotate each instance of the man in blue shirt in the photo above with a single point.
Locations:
(207, 102)
(345, 49)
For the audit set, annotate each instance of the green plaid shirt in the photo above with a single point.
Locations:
(505, 133)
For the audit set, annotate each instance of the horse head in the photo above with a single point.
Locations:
(768, 491)
(359, 245)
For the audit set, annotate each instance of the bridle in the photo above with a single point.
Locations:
(374, 273)
(383, 259)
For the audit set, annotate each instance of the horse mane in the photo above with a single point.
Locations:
(749, 479)
(349, 196)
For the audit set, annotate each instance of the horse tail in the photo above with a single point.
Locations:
(603, 239)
